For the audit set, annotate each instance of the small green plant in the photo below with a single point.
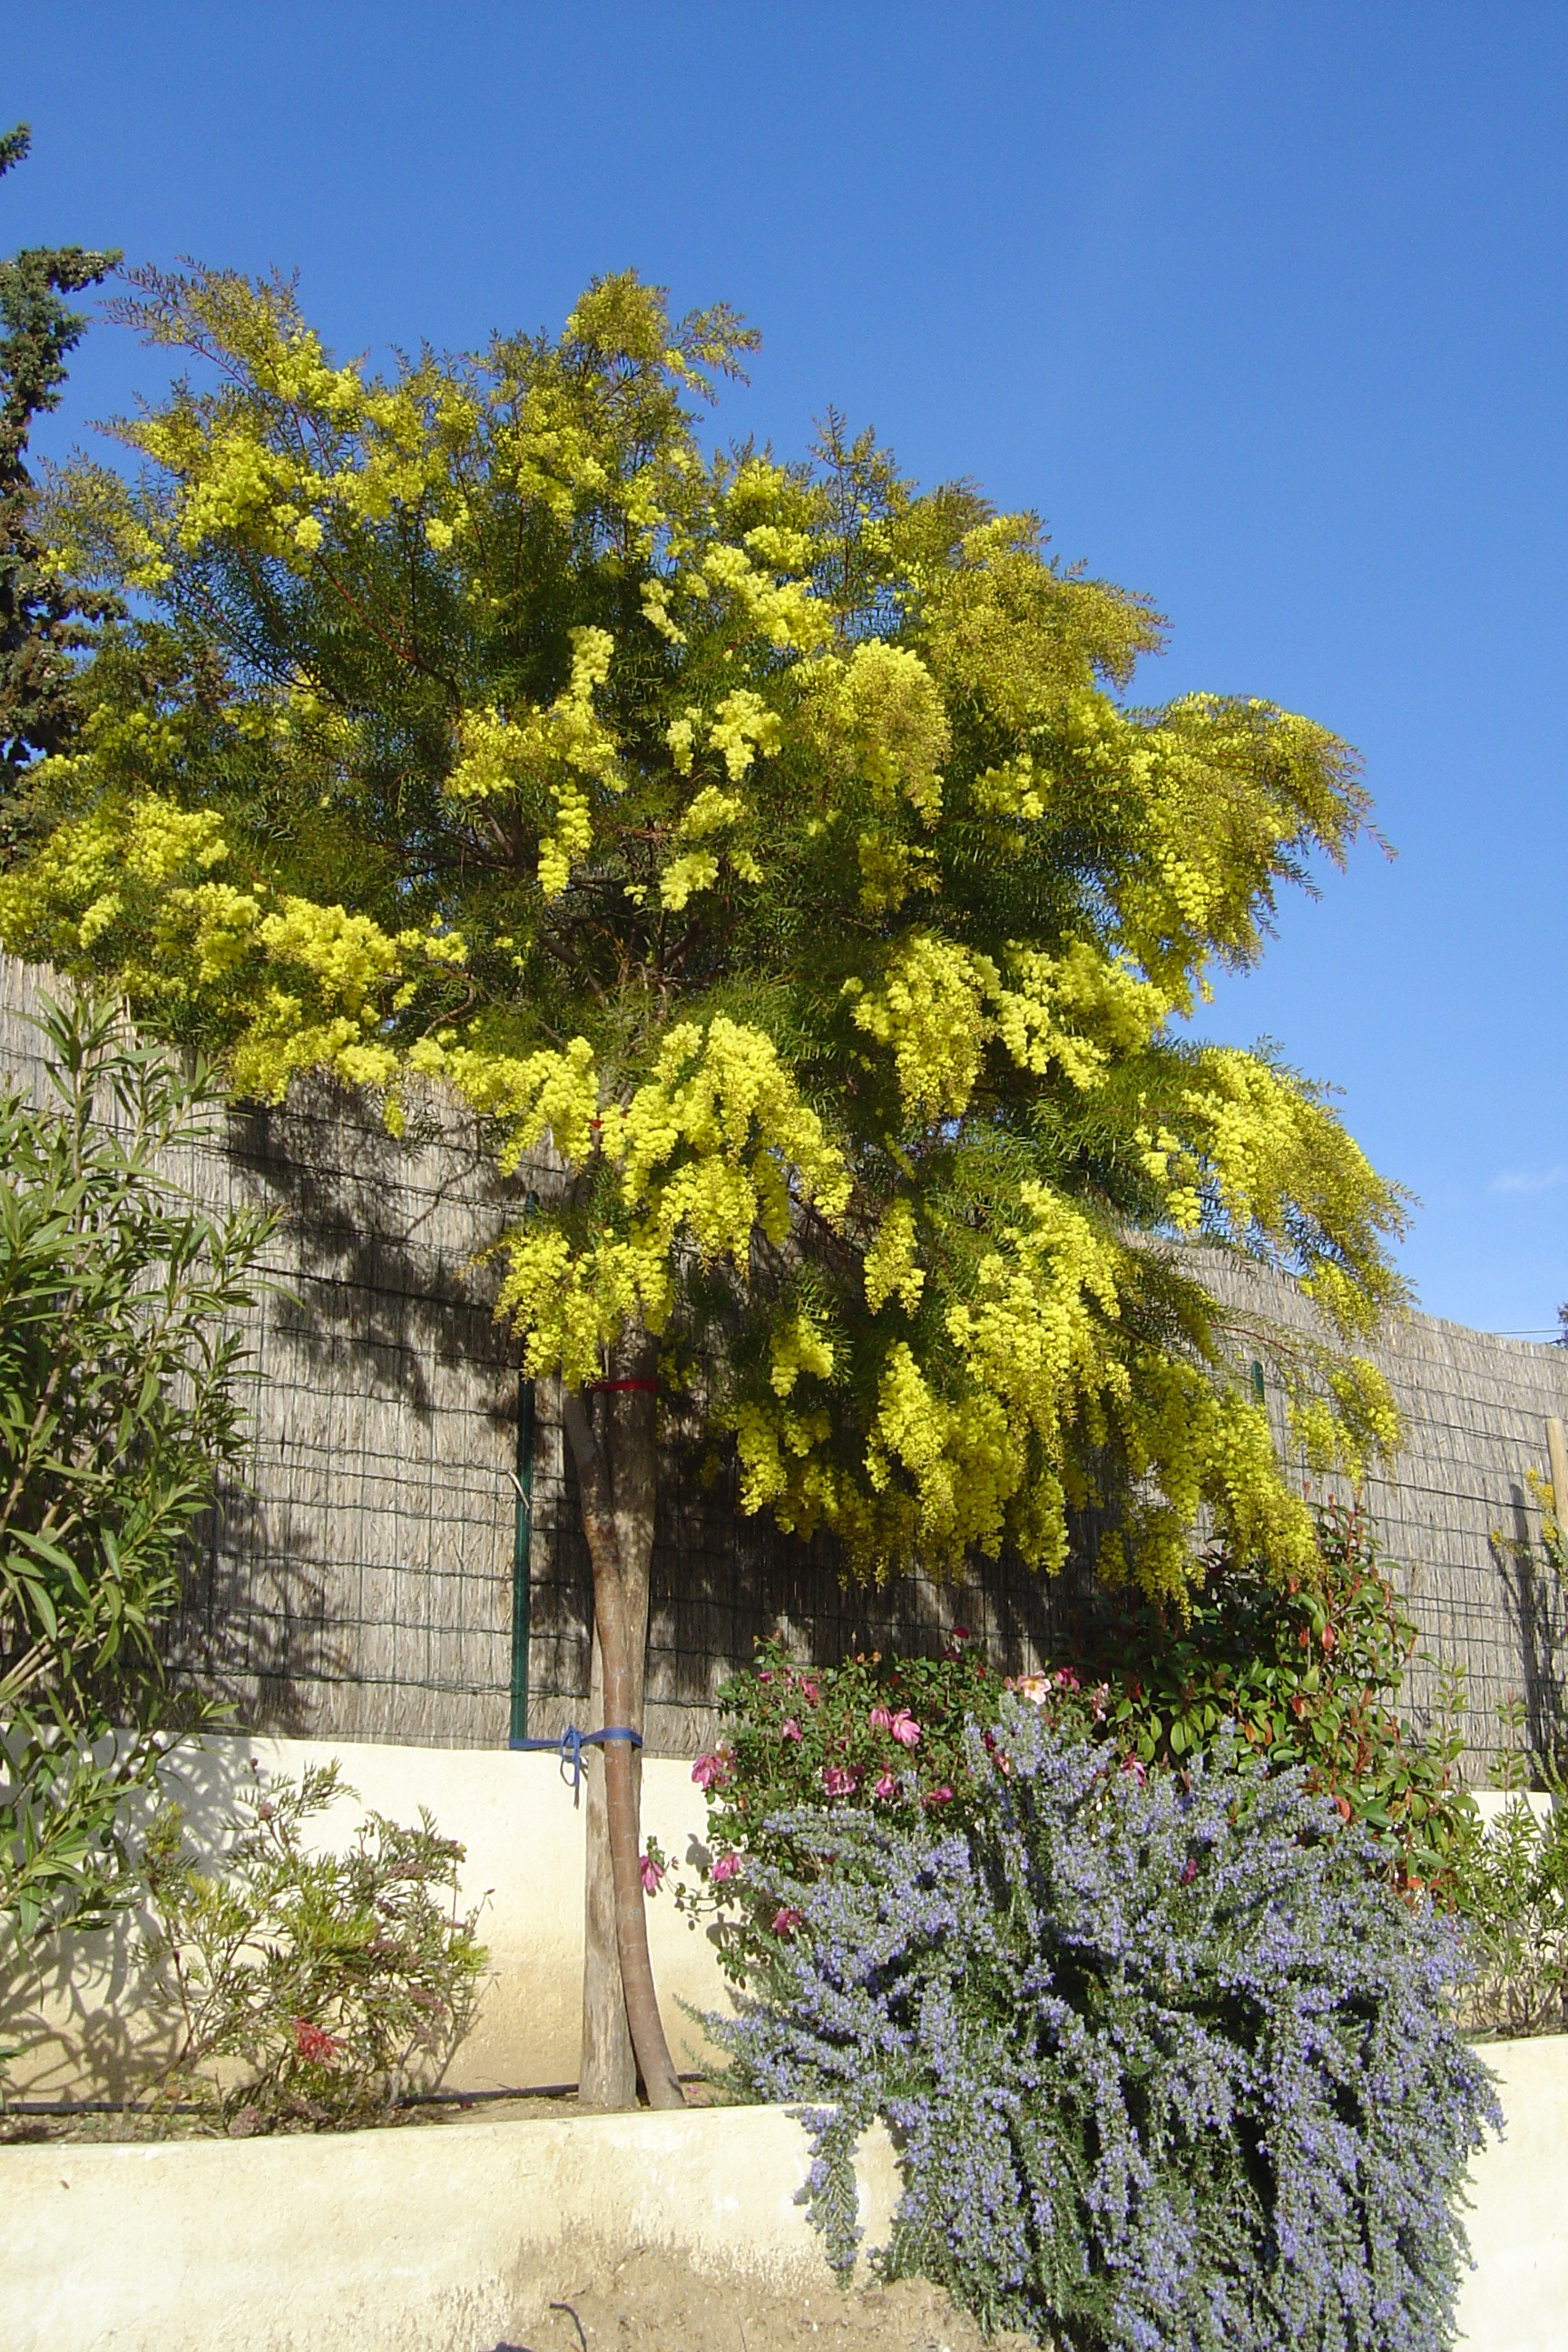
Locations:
(1510, 1885)
(306, 1991)
(1514, 1768)
(1511, 1888)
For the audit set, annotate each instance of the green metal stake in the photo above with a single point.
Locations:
(521, 1545)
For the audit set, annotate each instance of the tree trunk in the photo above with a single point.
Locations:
(620, 2007)
(607, 2068)
(608, 2073)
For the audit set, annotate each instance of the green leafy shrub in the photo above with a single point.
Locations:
(1170, 2063)
(306, 1991)
(120, 1366)
(1311, 1674)
(885, 1731)
(1511, 1886)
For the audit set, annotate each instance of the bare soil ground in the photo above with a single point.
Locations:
(655, 2303)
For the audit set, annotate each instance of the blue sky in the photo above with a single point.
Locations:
(1263, 308)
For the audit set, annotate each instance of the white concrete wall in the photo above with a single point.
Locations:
(446, 2238)
(1516, 2298)
(1492, 1803)
(452, 2237)
(83, 2035)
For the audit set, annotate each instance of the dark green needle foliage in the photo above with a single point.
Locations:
(46, 623)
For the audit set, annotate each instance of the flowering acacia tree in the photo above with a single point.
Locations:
(777, 844)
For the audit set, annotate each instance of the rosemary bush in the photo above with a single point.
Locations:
(1170, 2061)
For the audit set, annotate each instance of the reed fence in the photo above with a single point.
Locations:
(375, 1575)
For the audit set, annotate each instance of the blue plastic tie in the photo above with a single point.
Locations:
(569, 1747)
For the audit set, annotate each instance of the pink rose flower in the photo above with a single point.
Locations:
(789, 1728)
(838, 1780)
(887, 1785)
(652, 1874)
(785, 1920)
(905, 1730)
(727, 1866)
(881, 1718)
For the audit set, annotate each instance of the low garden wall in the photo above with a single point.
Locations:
(84, 2037)
(455, 2237)
(454, 2232)
(452, 2238)
(1516, 2298)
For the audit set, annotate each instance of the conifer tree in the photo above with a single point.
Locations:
(44, 624)
(781, 849)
